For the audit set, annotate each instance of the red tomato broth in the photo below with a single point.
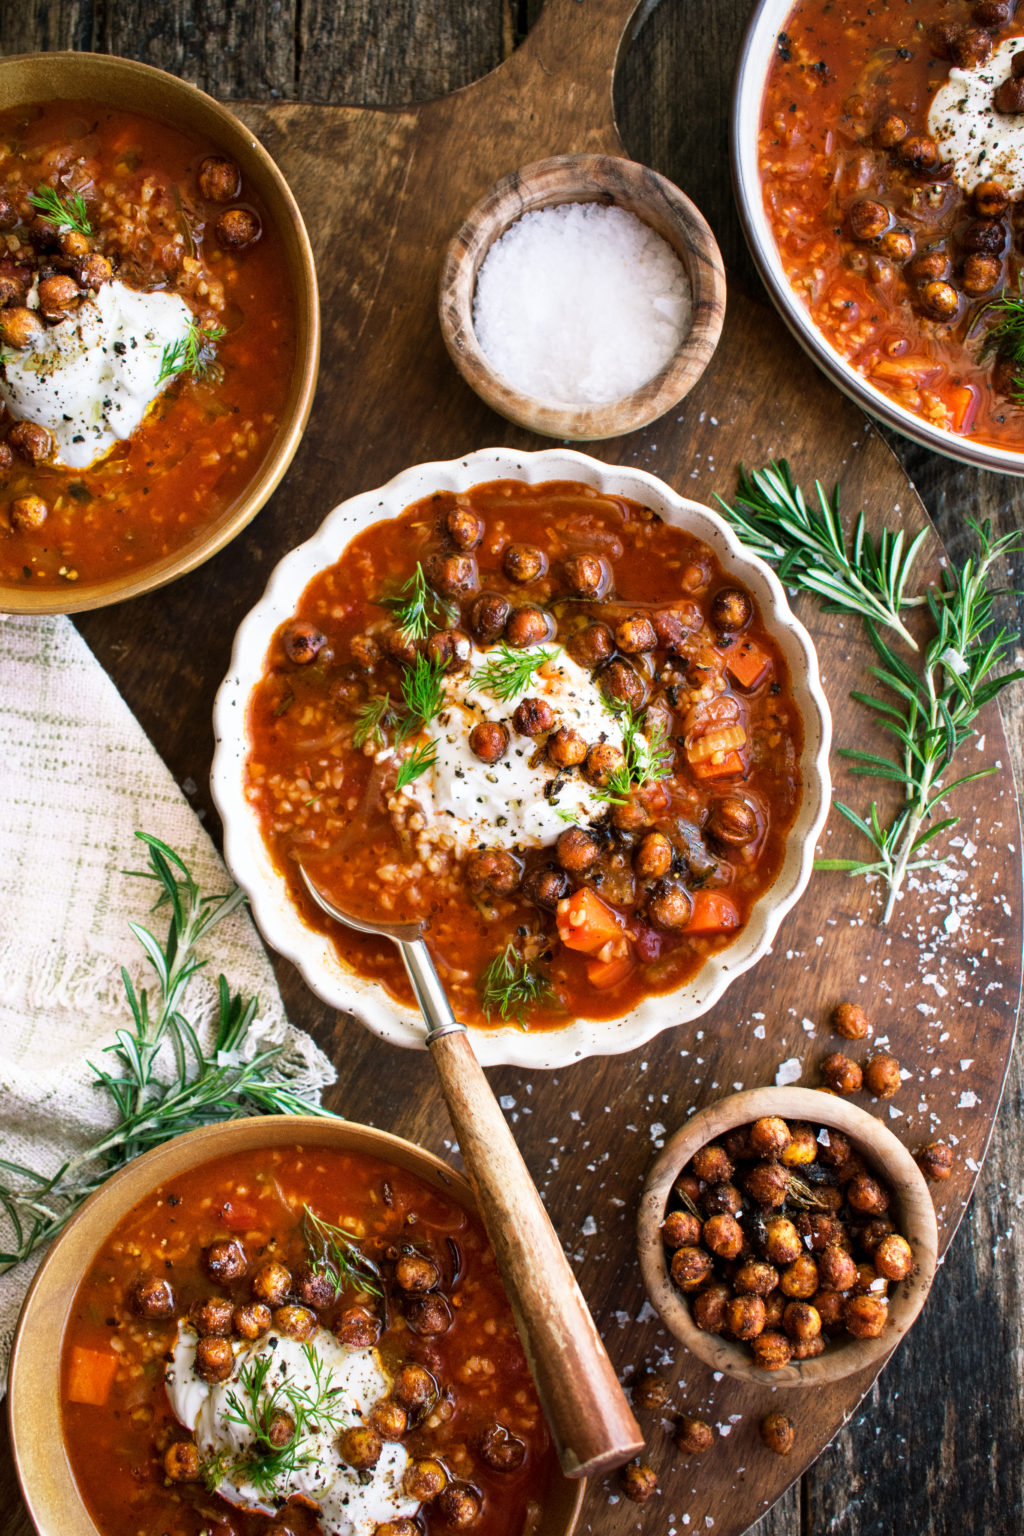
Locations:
(840, 67)
(202, 442)
(343, 849)
(116, 1450)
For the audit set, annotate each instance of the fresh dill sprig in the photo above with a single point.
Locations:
(806, 544)
(261, 1412)
(508, 672)
(153, 1105)
(372, 720)
(417, 609)
(335, 1253)
(1006, 337)
(645, 758)
(63, 212)
(510, 985)
(192, 353)
(416, 764)
(423, 695)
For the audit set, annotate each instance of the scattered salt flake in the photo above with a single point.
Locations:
(622, 1318)
(823, 1137)
(894, 1113)
(972, 1165)
(966, 1062)
(759, 1032)
(589, 1227)
(808, 1025)
(657, 1130)
(507, 1101)
(646, 1314)
(967, 1100)
(789, 1071)
(952, 921)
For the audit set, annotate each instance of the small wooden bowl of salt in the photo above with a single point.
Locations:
(583, 296)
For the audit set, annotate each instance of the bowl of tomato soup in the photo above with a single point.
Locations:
(548, 709)
(159, 331)
(876, 151)
(289, 1319)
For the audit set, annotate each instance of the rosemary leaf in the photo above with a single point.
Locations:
(511, 986)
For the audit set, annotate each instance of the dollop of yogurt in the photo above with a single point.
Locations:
(91, 378)
(522, 798)
(984, 145)
(351, 1503)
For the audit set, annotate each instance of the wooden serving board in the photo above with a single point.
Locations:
(382, 192)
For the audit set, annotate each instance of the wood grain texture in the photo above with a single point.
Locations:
(940, 1432)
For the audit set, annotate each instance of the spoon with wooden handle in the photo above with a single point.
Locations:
(591, 1421)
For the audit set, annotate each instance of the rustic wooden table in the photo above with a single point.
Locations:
(936, 1445)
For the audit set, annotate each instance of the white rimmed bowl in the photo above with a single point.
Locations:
(249, 858)
(756, 55)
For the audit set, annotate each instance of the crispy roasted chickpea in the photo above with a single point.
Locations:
(866, 1194)
(724, 1236)
(388, 1419)
(894, 1258)
(237, 227)
(603, 760)
(315, 1287)
(545, 887)
(585, 575)
(459, 1505)
(722, 1200)
(219, 179)
(771, 1350)
(799, 1280)
(691, 1266)
(919, 153)
(733, 821)
(710, 1307)
(151, 1297)
(819, 1230)
(941, 300)
(868, 1279)
(463, 527)
(251, 1320)
(984, 235)
(712, 1164)
(533, 717)
(897, 245)
(736, 1142)
(668, 906)
(638, 1481)
(224, 1261)
(592, 645)
(833, 1148)
(413, 1387)
(19, 327)
(630, 816)
(30, 441)
(1009, 97)
(841, 1074)
(214, 1359)
(360, 1446)
(992, 13)
(58, 295)
(636, 635)
(972, 46)
(687, 1187)
(693, 1435)
(837, 1268)
(731, 609)
(181, 1462)
(93, 272)
(802, 1148)
(935, 1161)
(927, 266)
(492, 870)
(489, 615)
(778, 1433)
(755, 1278)
(829, 1306)
(767, 1184)
(981, 274)
(449, 649)
(745, 1316)
(8, 212)
(271, 1283)
(452, 575)
(653, 858)
(850, 1021)
(398, 644)
(782, 1240)
(280, 1430)
(529, 626)
(577, 850)
(801, 1321)
(358, 1328)
(401, 1527)
(621, 683)
(851, 1168)
(651, 1391)
(489, 740)
(566, 748)
(891, 131)
(770, 1136)
(212, 1318)
(428, 1315)
(882, 1075)
(302, 642)
(871, 1233)
(501, 1449)
(294, 1322)
(424, 1479)
(990, 200)
(414, 1273)
(866, 1316)
(680, 1229)
(868, 219)
(808, 1349)
(523, 562)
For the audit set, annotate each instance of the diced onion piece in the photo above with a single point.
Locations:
(728, 739)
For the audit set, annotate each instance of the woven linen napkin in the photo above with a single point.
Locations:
(78, 777)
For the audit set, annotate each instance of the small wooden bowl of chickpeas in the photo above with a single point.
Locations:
(787, 1237)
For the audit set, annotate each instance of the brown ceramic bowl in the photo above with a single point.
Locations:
(41, 77)
(914, 1215)
(585, 179)
(34, 1405)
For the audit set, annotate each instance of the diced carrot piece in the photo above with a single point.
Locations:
(585, 922)
(960, 398)
(747, 663)
(91, 1375)
(730, 763)
(237, 1216)
(712, 913)
(604, 974)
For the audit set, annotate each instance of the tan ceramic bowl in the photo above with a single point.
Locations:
(914, 1215)
(48, 1488)
(152, 93)
(585, 179)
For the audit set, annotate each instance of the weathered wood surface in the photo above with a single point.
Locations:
(939, 1434)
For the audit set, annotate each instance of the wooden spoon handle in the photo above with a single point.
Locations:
(586, 1408)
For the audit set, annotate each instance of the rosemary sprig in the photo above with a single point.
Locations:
(510, 985)
(192, 353)
(63, 212)
(255, 1408)
(423, 694)
(417, 609)
(372, 720)
(335, 1253)
(416, 764)
(807, 545)
(507, 672)
(152, 1106)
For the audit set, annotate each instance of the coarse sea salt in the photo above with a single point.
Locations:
(580, 304)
